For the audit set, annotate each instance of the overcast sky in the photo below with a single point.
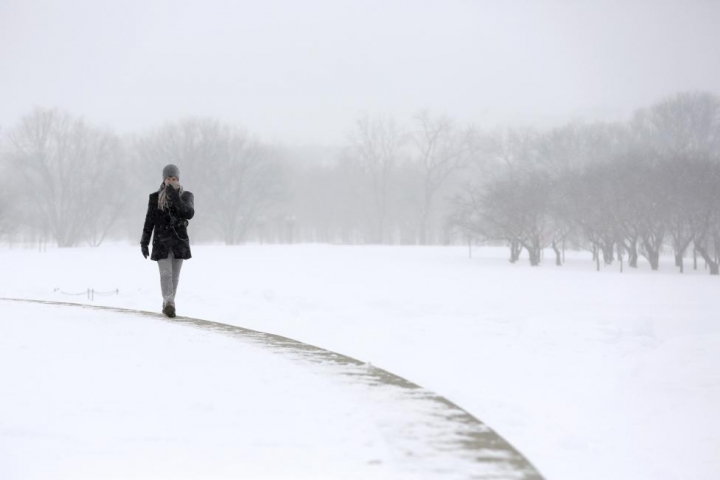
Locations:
(302, 71)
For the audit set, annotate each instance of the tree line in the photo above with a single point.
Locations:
(71, 183)
(623, 190)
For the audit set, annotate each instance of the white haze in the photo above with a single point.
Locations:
(303, 71)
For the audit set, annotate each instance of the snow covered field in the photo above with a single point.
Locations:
(590, 375)
(136, 399)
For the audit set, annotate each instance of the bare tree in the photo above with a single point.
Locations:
(513, 199)
(704, 211)
(683, 126)
(441, 148)
(570, 155)
(376, 144)
(6, 224)
(67, 172)
(674, 135)
(679, 183)
(251, 184)
(652, 207)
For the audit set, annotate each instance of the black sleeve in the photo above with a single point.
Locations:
(149, 224)
(186, 206)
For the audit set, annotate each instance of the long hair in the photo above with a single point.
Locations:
(163, 200)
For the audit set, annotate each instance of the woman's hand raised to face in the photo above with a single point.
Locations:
(174, 181)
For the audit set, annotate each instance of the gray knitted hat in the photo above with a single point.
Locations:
(171, 171)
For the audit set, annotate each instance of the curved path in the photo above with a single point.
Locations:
(453, 441)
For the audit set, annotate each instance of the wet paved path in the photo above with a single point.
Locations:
(434, 437)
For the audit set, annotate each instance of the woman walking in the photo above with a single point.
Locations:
(169, 210)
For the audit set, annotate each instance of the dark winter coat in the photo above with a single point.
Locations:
(169, 225)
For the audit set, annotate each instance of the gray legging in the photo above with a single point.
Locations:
(169, 277)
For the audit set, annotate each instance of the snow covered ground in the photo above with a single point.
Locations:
(99, 395)
(590, 375)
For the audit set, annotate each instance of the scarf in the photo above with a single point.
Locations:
(164, 198)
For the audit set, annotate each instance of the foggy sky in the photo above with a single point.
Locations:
(302, 71)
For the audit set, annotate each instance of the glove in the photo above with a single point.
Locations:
(145, 250)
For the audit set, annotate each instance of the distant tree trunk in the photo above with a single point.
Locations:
(608, 253)
(558, 254)
(534, 251)
(425, 216)
(651, 250)
(681, 247)
(515, 250)
(694, 258)
(679, 262)
(534, 255)
(633, 254)
(229, 236)
(654, 259)
(709, 261)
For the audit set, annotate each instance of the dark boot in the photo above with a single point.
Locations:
(169, 310)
